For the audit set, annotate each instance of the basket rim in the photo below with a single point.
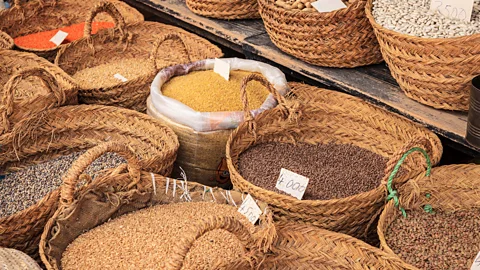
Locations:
(355, 6)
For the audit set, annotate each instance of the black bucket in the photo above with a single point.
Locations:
(473, 125)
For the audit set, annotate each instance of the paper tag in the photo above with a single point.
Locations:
(120, 77)
(250, 209)
(328, 5)
(456, 9)
(222, 68)
(59, 37)
(476, 263)
(292, 183)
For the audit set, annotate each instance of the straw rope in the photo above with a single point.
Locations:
(6, 42)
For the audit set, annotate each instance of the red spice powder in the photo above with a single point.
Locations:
(41, 40)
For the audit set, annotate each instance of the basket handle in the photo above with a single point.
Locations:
(162, 39)
(110, 9)
(72, 176)
(8, 99)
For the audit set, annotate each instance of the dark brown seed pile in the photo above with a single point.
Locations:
(335, 171)
(439, 241)
(22, 189)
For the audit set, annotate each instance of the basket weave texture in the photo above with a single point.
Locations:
(6, 42)
(16, 260)
(35, 16)
(342, 38)
(225, 9)
(69, 129)
(323, 116)
(433, 71)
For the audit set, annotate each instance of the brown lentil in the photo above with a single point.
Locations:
(145, 238)
(207, 91)
(438, 241)
(335, 171)
(22, 189)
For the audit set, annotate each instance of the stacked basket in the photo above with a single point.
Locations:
(225, 9)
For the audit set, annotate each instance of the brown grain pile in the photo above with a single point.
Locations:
(335, 171)
(438, 241)
(144, 239)
(207, 91)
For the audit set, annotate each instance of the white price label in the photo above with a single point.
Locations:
(476, 263)
(59, 37)
(456, 9)
(292, 183)
(120, 77)
(250, 209)
(328, 5)
(222, 68)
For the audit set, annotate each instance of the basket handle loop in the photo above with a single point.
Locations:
(7, 103)
(110, 9)
(72, 176)
(162, 39)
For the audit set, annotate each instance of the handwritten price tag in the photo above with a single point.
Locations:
(456, 9)
(328, 5)
(476, 263)
(292, 183)
(59, 37)
(222, 68)
(250, 209)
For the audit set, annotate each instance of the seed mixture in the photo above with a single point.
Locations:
(22, 189)
(146, 238)
(414, 17)
(303, 5)
(335, 171)
(439, 241)
(207, 91)
(103, 75)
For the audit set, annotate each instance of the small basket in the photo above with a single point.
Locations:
(22, 95)
(68, 129)
(153, 43)
(323, 116)
(225, 9)
(34, 16)
(6, 42)
(433, 71)
(341, 38)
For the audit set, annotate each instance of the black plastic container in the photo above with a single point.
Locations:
(473, 126)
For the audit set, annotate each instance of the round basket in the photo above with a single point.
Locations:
(6, 42)
(153, 44)
(448, 188)
(433, 71)
(12, 259)
(132, 191)
(36, 16)
(342, 38)
(69, 129)
(320, 116)
(31, 84)
(225, 9)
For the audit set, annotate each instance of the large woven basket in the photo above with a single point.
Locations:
(225, 9)
(158, 44)
(30, 84)
(448, 188)
(323, 116)
(69, 129)
(130, 191)
(433, 71)
(28, 17)
(6, 42)
(342, 38)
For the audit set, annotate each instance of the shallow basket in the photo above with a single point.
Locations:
(450, 188)
(34, 16)
(62, 131)
(6, 42)
(225, 9)
(154, 43)
(433, 71)
(323, 116)
(342, 38)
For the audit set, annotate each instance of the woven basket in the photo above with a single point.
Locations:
(450, 188)
(12, 259)
(30, 84)
(342, 38)
(225, 9)
(154, 43)
(69, 129)
(6, 42)
(433, 71)
(43, 15)
(131, 191)
(330, 117)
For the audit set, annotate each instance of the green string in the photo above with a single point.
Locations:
(393, 194)
(428, 207)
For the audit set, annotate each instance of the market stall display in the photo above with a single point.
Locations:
(225, 9)
(6, 42)
(12, 259)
